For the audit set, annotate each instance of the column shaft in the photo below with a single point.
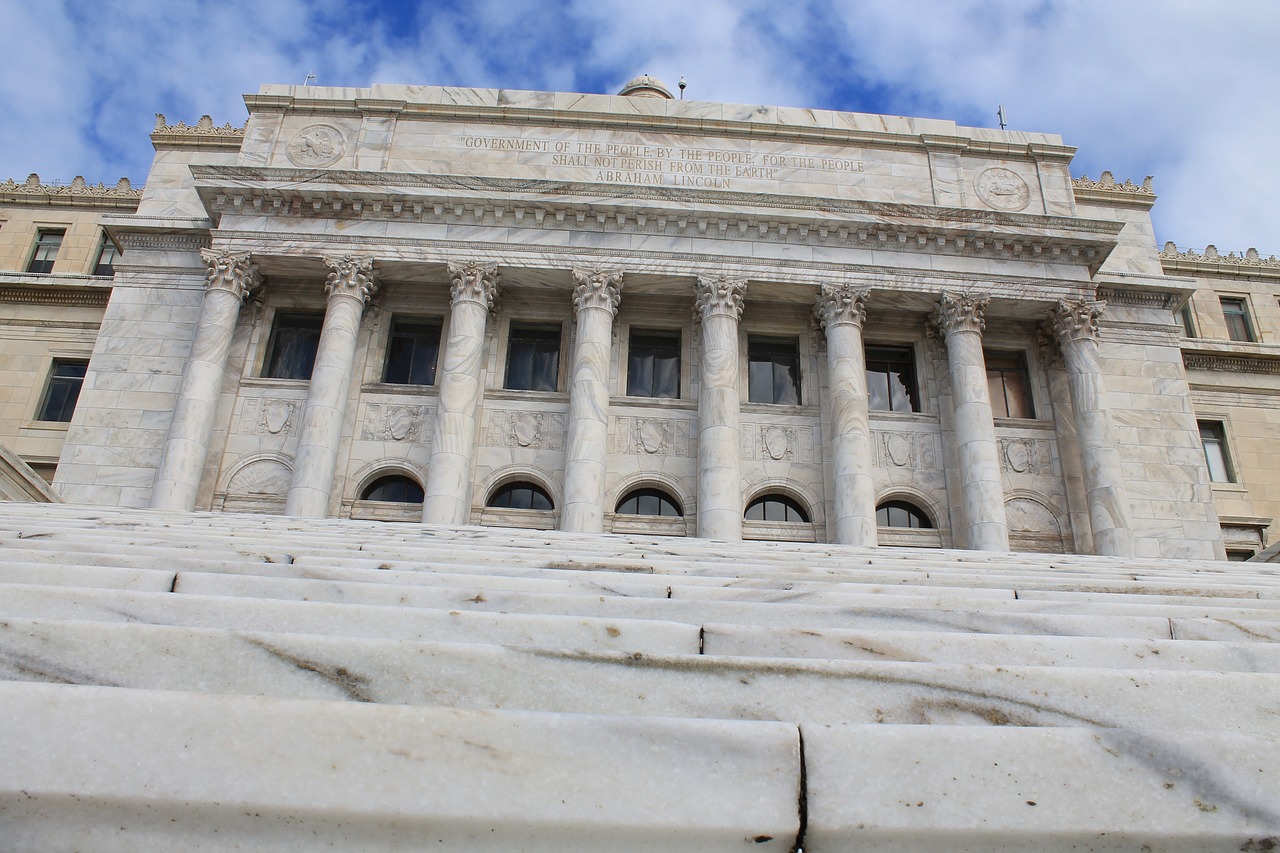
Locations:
(314, 463)
(448, 489)
(842, 311)
(596, 297)
(1076, 329)
(186, 446)
(961, 320)
(719, 411)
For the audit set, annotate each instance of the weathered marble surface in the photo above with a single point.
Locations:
(94, 767)
(720, 500)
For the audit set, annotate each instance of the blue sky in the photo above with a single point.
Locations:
(1185, 91)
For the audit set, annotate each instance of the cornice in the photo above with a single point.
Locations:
(1233, 362)
(652, 211)
(1105, 190)
(202, 134)
(77, 297)
(1190, 262)
(1163, 299)
(78, 193)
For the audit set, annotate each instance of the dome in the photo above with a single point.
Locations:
(645, 86)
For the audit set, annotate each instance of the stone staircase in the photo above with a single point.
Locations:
(220, 681)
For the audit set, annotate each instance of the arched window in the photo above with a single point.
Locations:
(521, 495)
(395, 488)
(776, 508)
(649, 502)
(902, 514)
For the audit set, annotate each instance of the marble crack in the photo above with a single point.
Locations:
(353, 685)
(45, 671)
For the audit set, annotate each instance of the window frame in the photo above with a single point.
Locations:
(1020, 367)
(675, 338)
(914, 514)
(422, 324)
(269, 352)
(1242, 331)
(70, 398)
(106, 244)
(392, 478)
(778, 343)
(549, 332)
(910, 392)
(1217, 439)
(662, 495)
(1187, 316)
(35, 260)
(789, 503)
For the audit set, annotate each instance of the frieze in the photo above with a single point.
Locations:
(900, 449)
(642, 436)
(394, 422)
(778, 442)
(264, 416)
(1230, 363)
(535, 430)
(172, 242)
(1026, 456)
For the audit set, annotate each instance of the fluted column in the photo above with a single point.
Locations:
(719, 307)
(474, 288)
(841, 310)
(231, 278)
(1075, 325)
(596, 295)
(350, 284)
(961, 319)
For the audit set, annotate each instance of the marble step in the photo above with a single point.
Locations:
(647, 636)
(133, 770)
(941, 789)
(1234, 651)
(482, 676)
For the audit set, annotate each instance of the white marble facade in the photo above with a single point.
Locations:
(826, 250)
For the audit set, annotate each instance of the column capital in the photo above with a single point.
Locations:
(352, 276)
(961, 312)
(233, 272)
(1073, 321)
(473, 282)
(597, 288)
(719, 295)
(841, 304)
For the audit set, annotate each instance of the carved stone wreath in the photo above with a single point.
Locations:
(317, 145)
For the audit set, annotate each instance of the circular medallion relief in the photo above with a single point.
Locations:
(317, 145)
(1002, 189)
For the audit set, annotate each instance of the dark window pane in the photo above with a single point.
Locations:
(106, 259)
(521, 495)
(1236, 313)
(891, 380)
(649, 502)
(1009, 385)
(291, 353)
(533, 358)
(1213, 439)
(773, 371)
(65, 381)
(1188, 321)
(776, 508)
(396, 488)
(653, 365)
(902, 514)
(412, 354)
(46, 252)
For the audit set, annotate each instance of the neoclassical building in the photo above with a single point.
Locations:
(638, 314)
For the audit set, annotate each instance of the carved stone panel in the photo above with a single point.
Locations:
(541, 430)
(1026, 455)
(904, 450)
(261, 416)
(1002, 189)
(778, 442)
(392, 422)
(316, 145)
(652, 436)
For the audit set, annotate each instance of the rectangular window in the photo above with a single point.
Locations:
(533, 358)
(1009, 384)
(291, 353)
(412, 354)
(773, 371)
(891, 380)
(48, 242)
(1214, 440)
(653, 365)
(63, 390)
(1236, 312)
(106, 258)
(1188, 321)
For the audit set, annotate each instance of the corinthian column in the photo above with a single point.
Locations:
(231, 278)
(719, 307)
(350, 284)
(961, 318)
(841, 310)
(1075, 325)
(596, 295)
(448, 500)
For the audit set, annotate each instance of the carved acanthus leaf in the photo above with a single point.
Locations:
(233, 272)
(352, 276)
(841, 303)
(598, 288)
(961, 312)
(473, 282)
(1073, 321)
(719, 295)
